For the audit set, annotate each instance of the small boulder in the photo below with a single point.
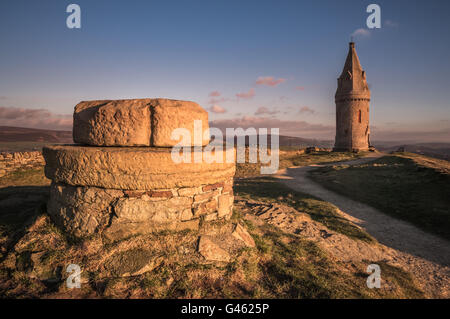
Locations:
(242, 234)
(211, 251)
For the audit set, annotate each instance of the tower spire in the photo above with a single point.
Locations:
(353, 77)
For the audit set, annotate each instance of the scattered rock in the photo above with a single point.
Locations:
(211, 251)
(133, 262)
(241, 233)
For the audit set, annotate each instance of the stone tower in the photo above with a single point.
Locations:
(352, 106)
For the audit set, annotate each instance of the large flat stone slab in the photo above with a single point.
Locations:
(132, 168)
(137, 122)
(112, 123)
(168, 115)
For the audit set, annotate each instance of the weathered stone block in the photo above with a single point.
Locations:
(205, 207)
(135, 194)
(242, 234)
(161, 194)
(160, 212)
(112, 123)
(168, 115)
(225, 205)
(137, 122)
(81, 210)
(212, 187)
(211, 251)
(143, 168)
(205, 196)
(189, 191)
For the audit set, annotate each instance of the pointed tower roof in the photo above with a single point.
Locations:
(353, 77)
(352, 62)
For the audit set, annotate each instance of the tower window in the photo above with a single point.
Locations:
(359, 116)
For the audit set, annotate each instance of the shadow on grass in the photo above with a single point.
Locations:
(19, 208)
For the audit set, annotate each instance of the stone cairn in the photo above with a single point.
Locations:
(120, 180)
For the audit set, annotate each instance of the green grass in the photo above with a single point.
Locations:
(25, 177)
(291, 267)
(398, 186)
(289, 158)
(268, 189)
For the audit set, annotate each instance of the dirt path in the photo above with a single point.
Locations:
(426, 256)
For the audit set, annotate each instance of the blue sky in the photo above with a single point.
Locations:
(189, 49)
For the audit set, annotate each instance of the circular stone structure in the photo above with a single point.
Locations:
(118, 192)
(135, 168)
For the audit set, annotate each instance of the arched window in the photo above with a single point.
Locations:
(359, 116)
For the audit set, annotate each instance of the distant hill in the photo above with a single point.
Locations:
(292, 141)
(22, 134)
(436, 150)
(30, 138)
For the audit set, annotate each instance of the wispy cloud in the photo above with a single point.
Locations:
(213, 100)
(300, 88)
(34, 118)
(264, 110)
(217, 109)
(269, 81)
(215, 94)
(361, 32)
(246, 95)
(390, 23)
(306, 109)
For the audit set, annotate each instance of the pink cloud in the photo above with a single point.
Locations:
(34, 118)
(213, 100)
(215, 94)
(269, 81)
(300, 88)
(306, 109)
(361, 32)
(217, 109)
(264, 110)
(391, 23)
(246, 95)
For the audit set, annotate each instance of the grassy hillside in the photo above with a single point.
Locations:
(291, 157)
(34, 255)
(407, 186)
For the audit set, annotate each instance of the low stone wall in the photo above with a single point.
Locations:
(117, 192)
(12, 161)
(117, 214)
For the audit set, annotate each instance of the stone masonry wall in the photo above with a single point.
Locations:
(116, 214)
(12, 161)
